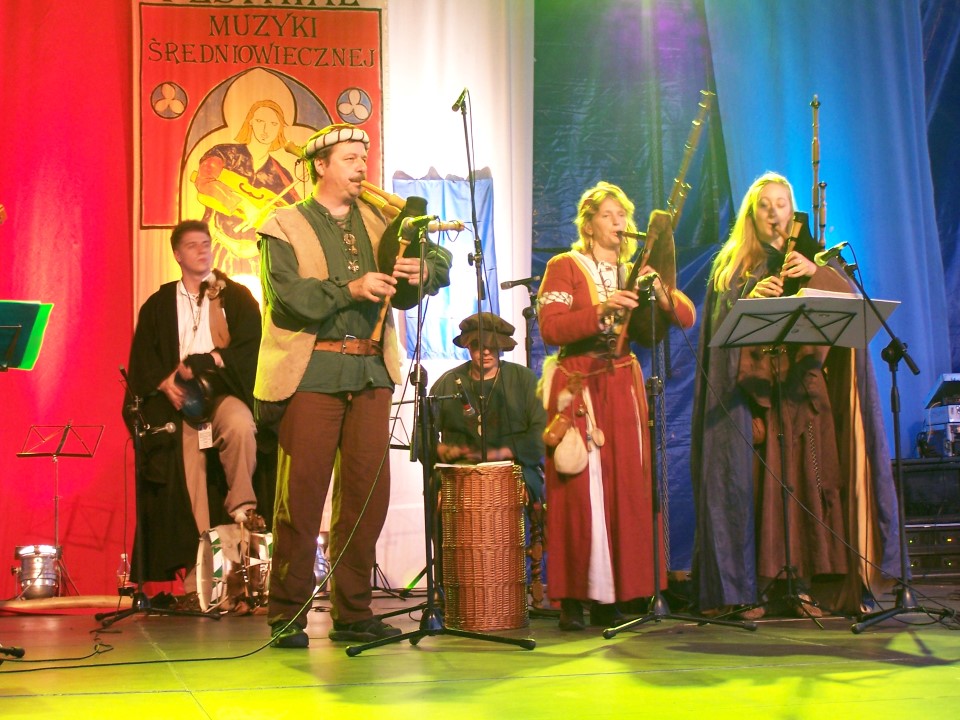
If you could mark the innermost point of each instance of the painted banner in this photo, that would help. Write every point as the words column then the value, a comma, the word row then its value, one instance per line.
column 221, row 87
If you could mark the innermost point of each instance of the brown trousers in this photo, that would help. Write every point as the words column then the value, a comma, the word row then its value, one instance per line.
column 314, row 428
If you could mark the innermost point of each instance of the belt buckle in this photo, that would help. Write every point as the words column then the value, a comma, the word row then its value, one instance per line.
column 343, row 345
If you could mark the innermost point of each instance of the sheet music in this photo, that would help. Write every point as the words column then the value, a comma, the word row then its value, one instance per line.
column 844, row 321
column 813, row 292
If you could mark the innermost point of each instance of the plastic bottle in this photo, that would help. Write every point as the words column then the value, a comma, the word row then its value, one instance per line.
column 123, row 573
column 321, row 566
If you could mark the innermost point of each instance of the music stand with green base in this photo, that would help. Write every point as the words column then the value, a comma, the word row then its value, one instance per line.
column 22, row 325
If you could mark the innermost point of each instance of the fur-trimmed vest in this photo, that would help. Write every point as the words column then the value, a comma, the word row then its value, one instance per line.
column 285, row 353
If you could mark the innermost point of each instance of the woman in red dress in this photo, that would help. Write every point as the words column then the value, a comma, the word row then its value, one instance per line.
column 599, row 518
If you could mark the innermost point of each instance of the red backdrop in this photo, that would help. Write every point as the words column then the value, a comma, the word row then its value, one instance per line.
column 65, row 149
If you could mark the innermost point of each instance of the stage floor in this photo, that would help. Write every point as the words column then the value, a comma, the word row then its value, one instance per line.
column 185, row 668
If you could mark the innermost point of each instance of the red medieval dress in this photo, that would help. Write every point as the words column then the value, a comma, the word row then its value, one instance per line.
column 599, row 521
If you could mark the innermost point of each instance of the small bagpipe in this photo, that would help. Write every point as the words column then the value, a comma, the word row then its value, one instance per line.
column 201, row 391
column 798, row 238
column 659, row 250
column 394, row 243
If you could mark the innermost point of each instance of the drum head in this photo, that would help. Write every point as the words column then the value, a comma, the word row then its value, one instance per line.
column 197, row 399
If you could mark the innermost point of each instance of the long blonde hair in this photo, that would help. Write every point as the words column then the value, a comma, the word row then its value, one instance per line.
column 588, row 206
column 743, row 251
column 246, row 131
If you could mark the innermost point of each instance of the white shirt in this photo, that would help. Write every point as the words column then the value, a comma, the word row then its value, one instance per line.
column 193, row 322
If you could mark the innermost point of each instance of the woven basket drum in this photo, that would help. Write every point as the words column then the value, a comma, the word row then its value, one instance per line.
column 484, row 562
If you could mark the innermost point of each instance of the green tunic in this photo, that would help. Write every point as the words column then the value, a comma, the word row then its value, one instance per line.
column 328, row 303
column 514, row 416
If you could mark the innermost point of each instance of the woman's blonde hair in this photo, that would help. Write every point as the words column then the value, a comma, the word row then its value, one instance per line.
column 589, row 204
column 743, row 251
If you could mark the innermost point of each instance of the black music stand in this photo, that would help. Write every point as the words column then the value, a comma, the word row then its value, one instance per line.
column 892, row 354
column 55, row 442
column 809, row 318
column 22, row 325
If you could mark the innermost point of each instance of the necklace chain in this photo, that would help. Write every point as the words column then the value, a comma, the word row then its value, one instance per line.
column 484, row 400
column 349, row 241
column 609, row 287
column 196, row 307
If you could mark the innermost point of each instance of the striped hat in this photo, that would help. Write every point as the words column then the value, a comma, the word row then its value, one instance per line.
column 333, row 134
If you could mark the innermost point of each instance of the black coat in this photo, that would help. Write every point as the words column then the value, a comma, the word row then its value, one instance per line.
column 170, row 534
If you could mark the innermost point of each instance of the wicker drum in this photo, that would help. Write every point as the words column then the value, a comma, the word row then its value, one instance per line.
column 484, row 565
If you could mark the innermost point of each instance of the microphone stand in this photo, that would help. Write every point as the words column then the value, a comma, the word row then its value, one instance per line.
column 476, row 259
column 10, row 650
column 659, row 608
column 140, row 603
column 431, row 621
column 535, row 508
column 529, row 312
column 892, row 354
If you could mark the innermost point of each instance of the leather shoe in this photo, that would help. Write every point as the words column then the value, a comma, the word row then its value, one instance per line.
column 807, row 607
column 362, row 631
column 189, row 602
column 752, row 612
column 293, row 637
column 606, row 615
column 571, row 615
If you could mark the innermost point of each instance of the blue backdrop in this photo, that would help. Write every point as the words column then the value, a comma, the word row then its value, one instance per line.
column 450, row 198
column 616, row 87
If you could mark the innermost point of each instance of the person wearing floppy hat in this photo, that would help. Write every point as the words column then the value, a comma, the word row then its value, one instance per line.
column 500, row 394
column 329, row 360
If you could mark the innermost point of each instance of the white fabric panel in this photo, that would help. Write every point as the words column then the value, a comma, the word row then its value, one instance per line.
column 435, row 48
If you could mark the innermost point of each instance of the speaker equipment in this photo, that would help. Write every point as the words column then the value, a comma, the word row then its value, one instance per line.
column 931, row 505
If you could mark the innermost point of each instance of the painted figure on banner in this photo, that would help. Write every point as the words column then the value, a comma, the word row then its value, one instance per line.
column 240, row 183
column 598, row 468
column 823, row 402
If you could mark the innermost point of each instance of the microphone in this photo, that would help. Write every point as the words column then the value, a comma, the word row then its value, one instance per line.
column 645, row 281
column 168, row 428
column 431, row 223
column 468, row 409
column 635, row 235
column 507, row 284
column 825, row 256
column 458, row 105
column 17, row 652
column 445, row 225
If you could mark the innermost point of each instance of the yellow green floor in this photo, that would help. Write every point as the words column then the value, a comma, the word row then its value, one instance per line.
column 786, row 669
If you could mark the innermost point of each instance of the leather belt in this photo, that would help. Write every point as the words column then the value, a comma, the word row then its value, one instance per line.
column 350, row 346
column 602, row 347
